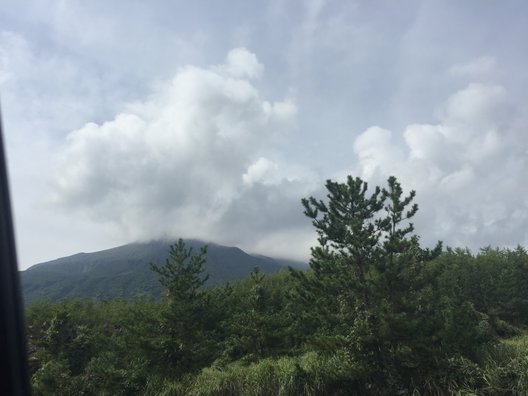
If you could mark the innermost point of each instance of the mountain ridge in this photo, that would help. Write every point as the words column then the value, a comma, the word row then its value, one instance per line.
column 124, row 271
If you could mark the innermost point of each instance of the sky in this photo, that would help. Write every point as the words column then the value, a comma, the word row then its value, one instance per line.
column 130, row 120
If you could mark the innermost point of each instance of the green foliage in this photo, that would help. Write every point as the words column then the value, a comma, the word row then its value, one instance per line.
column 82, row 347
column 309, row 374
column 182, row 342
column 52, row 378
column 259, row 325
column 376, row 314
column 182, row 273
column 124, row 272
column 506, row 367
column 371, row 277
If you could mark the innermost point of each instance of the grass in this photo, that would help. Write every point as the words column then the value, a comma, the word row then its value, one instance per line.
column 505, row 367
column 309, row 374
column 501, row 370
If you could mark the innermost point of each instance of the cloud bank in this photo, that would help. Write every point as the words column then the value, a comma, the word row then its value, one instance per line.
column 226, row 151
column 469, row 169
column 190, row 161
column 201, row 157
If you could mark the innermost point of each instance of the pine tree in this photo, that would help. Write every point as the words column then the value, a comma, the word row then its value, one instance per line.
column 183, row 273
column 259, row 327
column 349, row 234
column 184, row 339
column 368, row 277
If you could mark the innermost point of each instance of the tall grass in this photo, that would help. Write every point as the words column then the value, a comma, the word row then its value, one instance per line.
column 309, row 374
column 501, row 370
column 505, row 367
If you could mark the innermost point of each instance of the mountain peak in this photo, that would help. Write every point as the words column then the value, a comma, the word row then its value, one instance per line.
column 124, row 271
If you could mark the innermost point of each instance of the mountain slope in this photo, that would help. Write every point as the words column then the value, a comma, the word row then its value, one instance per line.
column 124, row 271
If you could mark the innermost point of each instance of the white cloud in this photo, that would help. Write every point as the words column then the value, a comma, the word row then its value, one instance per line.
column 469, row 170
column 280, row 244
column 262, row 171
column 182, row 146
column 188, row 161
column 376, row 152
column 242, row 63
column 191, row 161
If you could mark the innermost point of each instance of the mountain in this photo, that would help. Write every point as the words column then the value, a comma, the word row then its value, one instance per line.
column 124, row 271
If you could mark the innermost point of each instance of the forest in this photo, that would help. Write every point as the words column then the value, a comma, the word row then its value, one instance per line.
column 375, row 314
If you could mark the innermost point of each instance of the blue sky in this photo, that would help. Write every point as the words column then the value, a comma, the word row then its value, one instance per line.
column 131, row 120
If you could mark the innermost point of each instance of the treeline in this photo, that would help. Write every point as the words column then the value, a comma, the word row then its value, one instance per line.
column 376, row 314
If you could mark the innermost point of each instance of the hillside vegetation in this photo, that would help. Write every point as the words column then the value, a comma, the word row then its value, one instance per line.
column 376, row 314
column 123, row 272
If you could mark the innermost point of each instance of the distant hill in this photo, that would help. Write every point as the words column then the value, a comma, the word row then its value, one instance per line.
column 124, row 271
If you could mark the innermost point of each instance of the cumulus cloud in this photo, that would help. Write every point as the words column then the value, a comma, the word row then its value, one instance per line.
column 469, row 169
column 242, row 63
column 189, row 161
column 196, row 159
column 263, row 171
column 209, row 150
